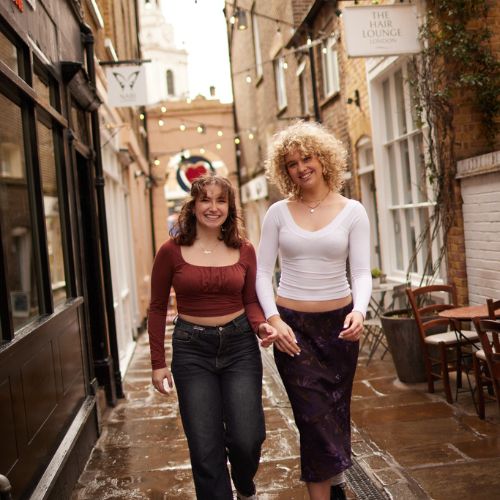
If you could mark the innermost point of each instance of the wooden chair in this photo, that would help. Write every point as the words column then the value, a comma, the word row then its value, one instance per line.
column 484, row 359
column 441, row 347
column 374, row 334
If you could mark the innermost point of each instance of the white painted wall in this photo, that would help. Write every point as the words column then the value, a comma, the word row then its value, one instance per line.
column 481, row 209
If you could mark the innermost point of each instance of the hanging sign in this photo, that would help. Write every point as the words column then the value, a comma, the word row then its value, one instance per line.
column 382, row 30
column 126, row 85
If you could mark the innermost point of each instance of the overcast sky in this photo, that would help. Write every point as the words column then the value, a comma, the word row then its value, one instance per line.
column 201, row 26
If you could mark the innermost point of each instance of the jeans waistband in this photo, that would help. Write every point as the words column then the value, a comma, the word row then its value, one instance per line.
column 235, row 324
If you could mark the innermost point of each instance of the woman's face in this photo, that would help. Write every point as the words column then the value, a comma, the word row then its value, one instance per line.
column 211, row 208
column 305, row 170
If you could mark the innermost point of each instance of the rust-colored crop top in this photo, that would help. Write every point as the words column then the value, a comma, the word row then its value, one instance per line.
column 200, row 291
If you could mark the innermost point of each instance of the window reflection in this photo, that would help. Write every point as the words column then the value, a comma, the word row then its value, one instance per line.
column 8, row 53
column 17, row 234
column 52, row 213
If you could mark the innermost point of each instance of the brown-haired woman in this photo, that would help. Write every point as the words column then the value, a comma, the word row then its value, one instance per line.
column 216, row 361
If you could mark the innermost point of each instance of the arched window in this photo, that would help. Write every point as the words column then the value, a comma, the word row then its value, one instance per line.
column 170, row 82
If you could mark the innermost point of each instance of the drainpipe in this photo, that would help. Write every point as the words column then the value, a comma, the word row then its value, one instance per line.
column 88, row 41
column 145, row 125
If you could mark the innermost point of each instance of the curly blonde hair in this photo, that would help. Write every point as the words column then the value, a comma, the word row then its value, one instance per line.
column 309, row 138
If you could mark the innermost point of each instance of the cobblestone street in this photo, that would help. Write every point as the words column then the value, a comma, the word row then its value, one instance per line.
column 406, row 443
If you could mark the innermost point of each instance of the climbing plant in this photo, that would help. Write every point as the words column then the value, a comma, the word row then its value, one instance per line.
column 456, row 61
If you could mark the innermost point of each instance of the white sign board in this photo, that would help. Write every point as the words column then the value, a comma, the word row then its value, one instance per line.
column 381, row 30
column 126, row 85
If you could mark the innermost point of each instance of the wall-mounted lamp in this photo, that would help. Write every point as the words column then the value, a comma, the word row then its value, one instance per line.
column 338, row 12
column 356, row 100
column 201, row 129
column 241, row 17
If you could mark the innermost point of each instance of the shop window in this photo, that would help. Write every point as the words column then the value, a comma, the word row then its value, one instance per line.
column 279, row 77
column 15, row 215
column 48, row 173
column 8, row 53
column 410, row 198
column 330, row 67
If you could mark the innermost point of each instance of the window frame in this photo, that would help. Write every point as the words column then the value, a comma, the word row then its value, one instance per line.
column 399, row 167
column 280, row 83
column 330, row 67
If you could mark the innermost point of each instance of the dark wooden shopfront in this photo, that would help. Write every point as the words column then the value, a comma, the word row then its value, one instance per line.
column 54, row 328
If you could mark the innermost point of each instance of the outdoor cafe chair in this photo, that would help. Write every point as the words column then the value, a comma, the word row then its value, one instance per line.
column 441, row 347
column 487, row 359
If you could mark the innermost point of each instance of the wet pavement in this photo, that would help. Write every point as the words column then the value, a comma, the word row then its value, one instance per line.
column 407, row 444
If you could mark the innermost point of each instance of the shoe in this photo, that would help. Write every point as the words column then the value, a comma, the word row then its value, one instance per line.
column 240, row 496
column 337, row 492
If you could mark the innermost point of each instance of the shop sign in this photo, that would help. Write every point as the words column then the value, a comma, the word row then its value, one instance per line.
column 253, row 190
column 382, row 30
column 126, row 85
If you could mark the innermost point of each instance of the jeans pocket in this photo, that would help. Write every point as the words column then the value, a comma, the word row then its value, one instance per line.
column 183, row 336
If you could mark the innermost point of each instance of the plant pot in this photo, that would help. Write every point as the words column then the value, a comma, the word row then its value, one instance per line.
column 403, row 340
column 375, row 282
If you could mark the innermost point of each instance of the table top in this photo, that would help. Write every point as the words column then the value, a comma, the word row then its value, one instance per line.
column 466, row 312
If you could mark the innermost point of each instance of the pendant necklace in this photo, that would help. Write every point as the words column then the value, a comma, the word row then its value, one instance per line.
column 313, row 207
column 208, row 251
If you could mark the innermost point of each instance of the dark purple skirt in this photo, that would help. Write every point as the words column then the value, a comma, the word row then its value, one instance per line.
column 319, row 385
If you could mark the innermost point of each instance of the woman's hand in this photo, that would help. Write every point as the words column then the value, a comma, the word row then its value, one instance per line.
column 285, row 341
column 353, row 327
column 159, row 377
column 267, row 334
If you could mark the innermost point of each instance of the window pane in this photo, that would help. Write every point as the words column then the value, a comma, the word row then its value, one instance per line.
column 405, row 169
column 256, row 44
column 387, row 110
column 41, row 88
column 8, row 53
column 52, row 214
column 400, row 102
column 411, row 239
column 418, row 152
column 398, row 242
column 393, row 175
column 425, row 234
column 17, row 234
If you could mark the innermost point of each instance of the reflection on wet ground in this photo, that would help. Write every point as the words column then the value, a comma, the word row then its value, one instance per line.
column 410, row 443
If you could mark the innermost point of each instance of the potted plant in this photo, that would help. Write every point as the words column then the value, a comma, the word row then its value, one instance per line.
column 376, row 275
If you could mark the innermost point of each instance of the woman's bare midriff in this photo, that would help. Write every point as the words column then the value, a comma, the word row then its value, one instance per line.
column 211, row 320
column 313, row 305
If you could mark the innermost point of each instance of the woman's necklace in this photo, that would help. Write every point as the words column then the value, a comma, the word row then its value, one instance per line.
column 313, row 207
column 207, row 251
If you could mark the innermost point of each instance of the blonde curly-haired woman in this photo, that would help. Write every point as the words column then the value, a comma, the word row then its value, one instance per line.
column 318, row 315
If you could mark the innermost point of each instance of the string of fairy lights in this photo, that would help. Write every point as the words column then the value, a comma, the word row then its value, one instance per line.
column 238, row 18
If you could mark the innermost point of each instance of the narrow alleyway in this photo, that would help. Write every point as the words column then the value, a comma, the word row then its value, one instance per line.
column 407, row 444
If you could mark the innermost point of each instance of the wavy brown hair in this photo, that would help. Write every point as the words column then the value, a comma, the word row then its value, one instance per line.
column 184, row 230
column 310, row 139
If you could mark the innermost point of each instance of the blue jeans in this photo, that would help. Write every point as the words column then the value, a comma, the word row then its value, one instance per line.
column 218, row 375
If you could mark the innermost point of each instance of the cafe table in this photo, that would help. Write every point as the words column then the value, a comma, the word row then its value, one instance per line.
column 465, row 313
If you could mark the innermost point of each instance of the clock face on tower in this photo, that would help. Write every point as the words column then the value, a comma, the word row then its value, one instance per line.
column 191, row 168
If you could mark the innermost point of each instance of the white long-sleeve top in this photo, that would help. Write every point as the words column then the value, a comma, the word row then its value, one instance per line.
column 314, row 263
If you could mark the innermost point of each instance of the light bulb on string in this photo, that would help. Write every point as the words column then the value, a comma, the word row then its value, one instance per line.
column 218, row 146
column 156, row 162
column 202, row 151
column 220, row 133
column 248, row 79
column 161, row 123
column 251, row 136
column 163, row 109
column 182, row 127
column 237, row 140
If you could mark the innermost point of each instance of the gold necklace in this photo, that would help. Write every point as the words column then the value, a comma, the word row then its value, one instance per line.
column 313, row 207
column 208, row 251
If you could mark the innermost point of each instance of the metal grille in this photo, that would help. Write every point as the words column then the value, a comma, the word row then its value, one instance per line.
column 361, row 485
